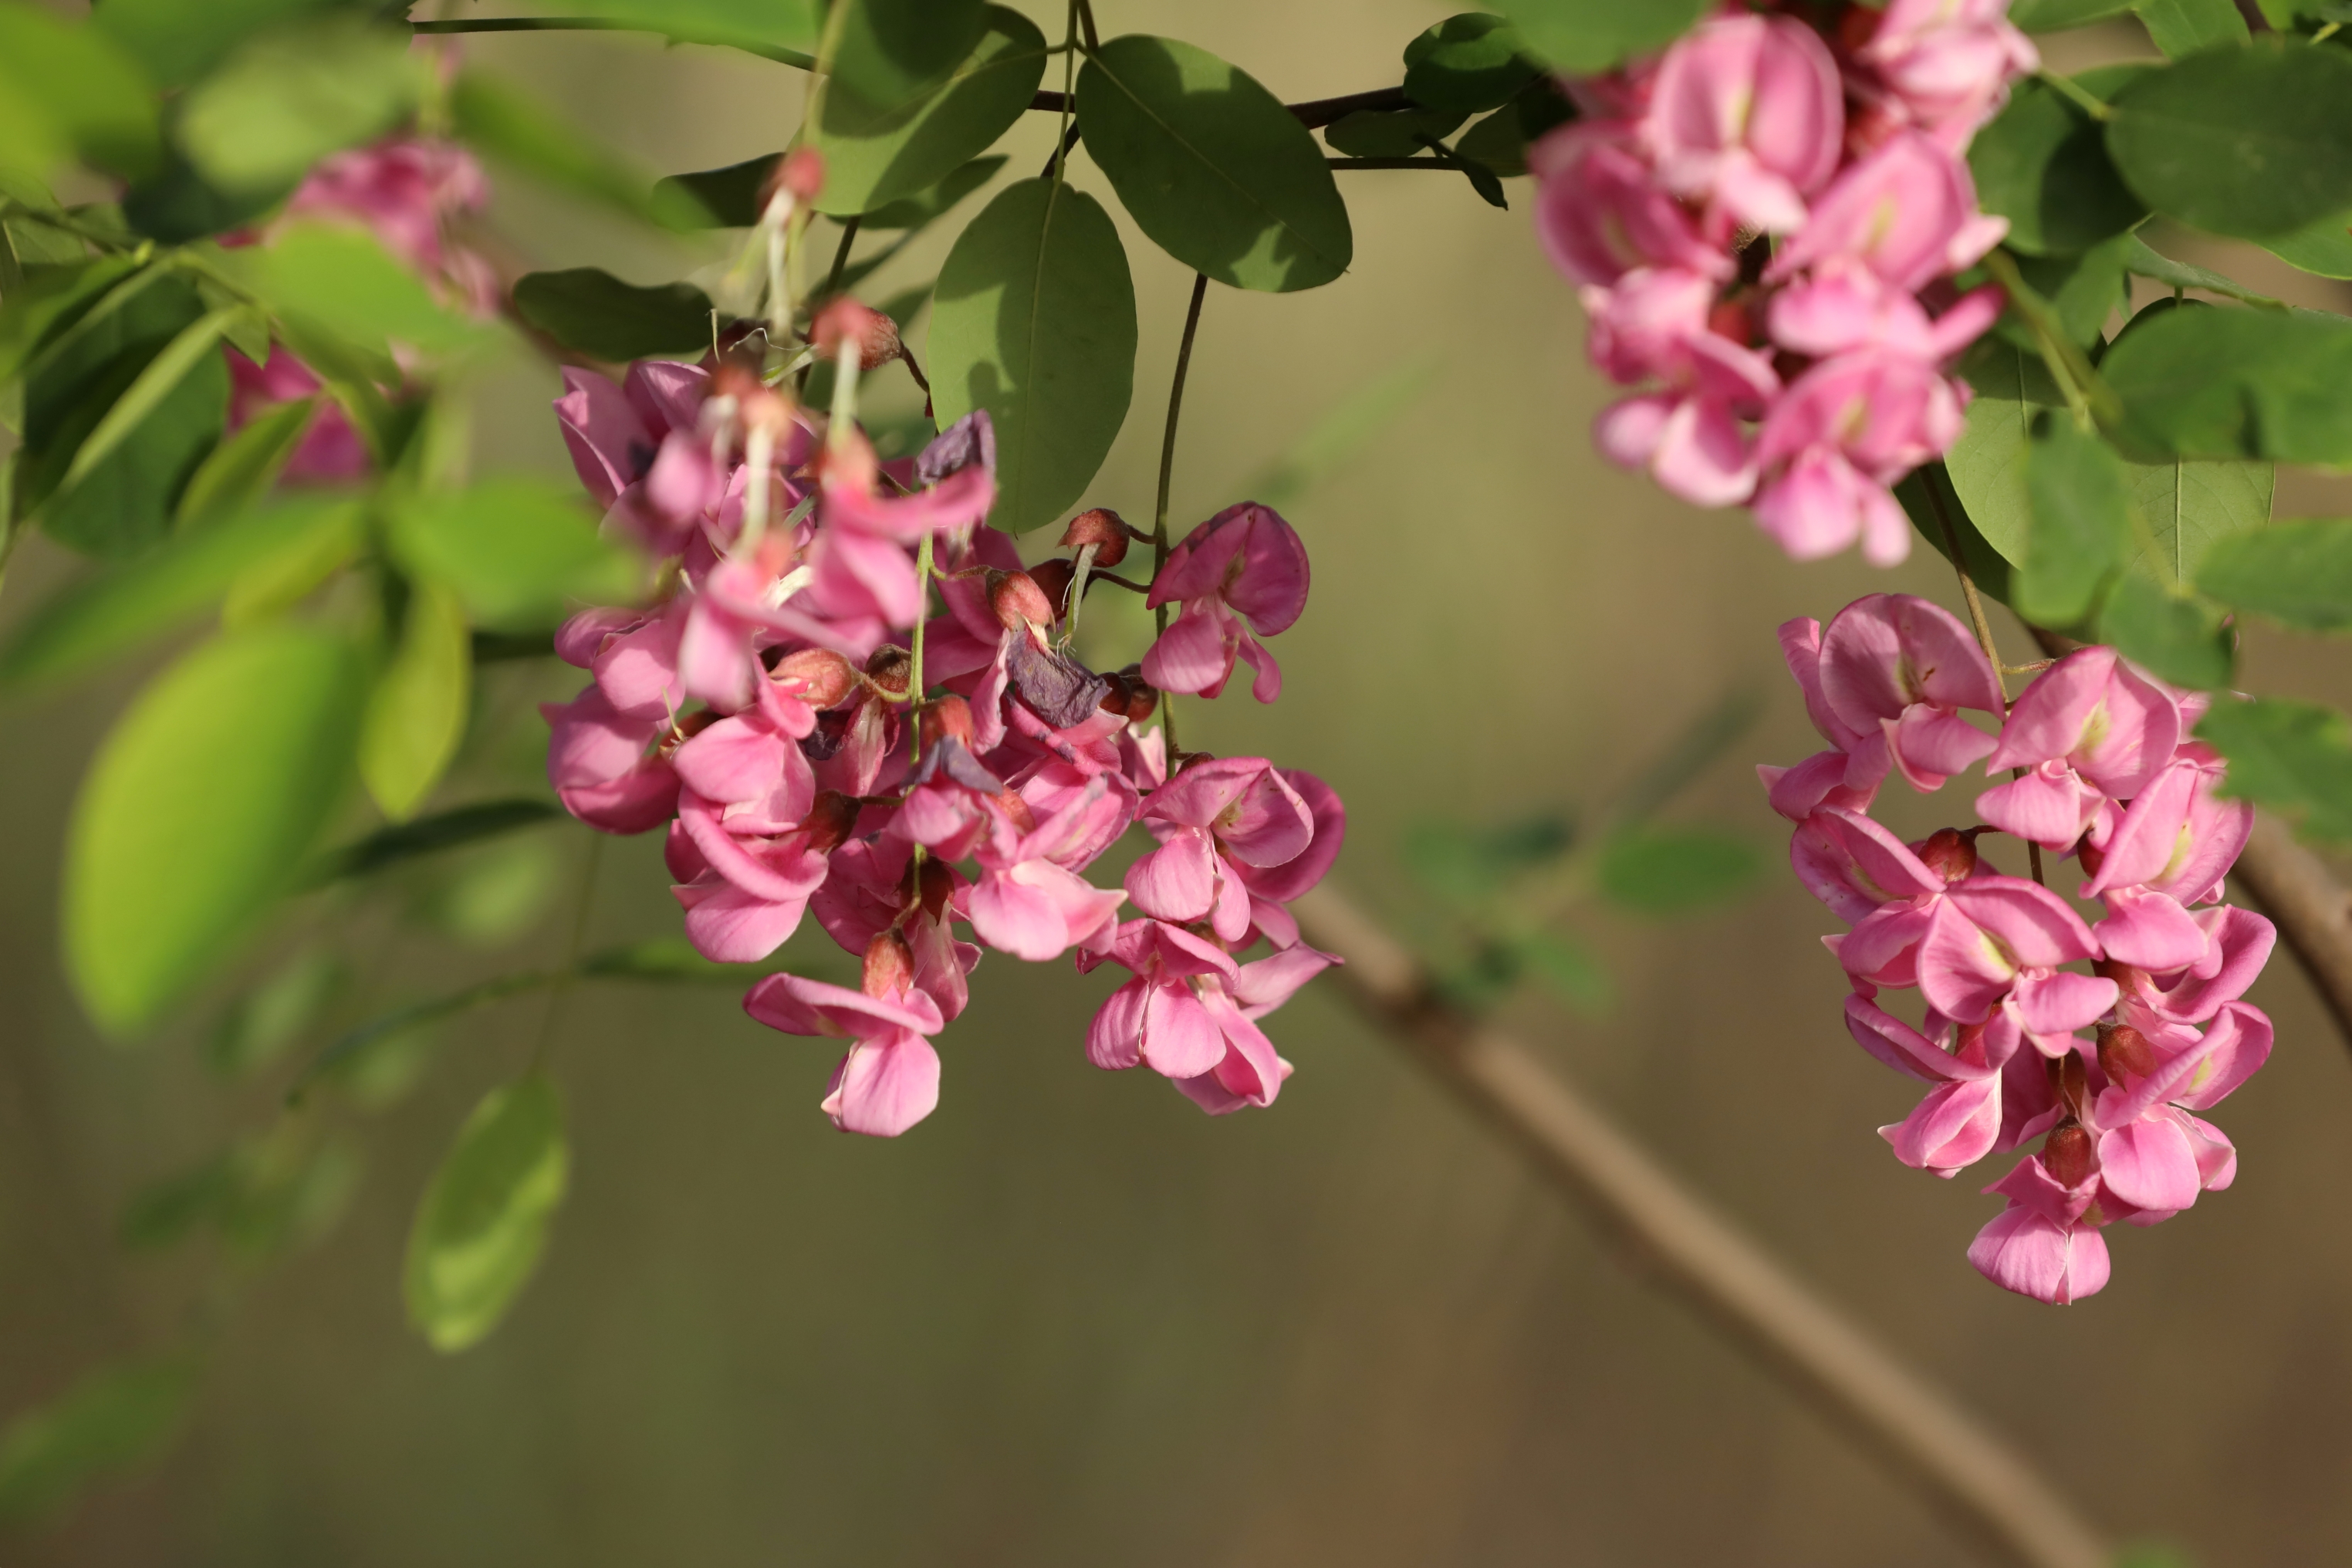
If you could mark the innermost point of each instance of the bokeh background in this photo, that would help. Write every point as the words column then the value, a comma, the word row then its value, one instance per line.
column 1070, row 1319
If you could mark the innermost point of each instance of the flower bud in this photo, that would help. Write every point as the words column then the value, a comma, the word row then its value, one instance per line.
column 1053, row 579
column 935, row 885
column 844, row 321
column 1105, row 529
column 825, row 676
column 890, row 965
column 1017, row 601
column 1731, row 319
column 2125, row 1054
column 1129, row 695
column 799, row 175
column 832, row 819
column 1016, row 811
column 2070, row 1080
column 946, row 718
column 2091, row 856
column 2127, row 978
column 1949, row 853
column 2067, row 1155
column 891, row 667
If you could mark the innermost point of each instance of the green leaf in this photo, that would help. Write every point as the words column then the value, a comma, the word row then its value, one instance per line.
column 2146, row 262
column 732, row 195
column 1671, row 870
column 516, row 550
column 119, row 608
column 2042, row 164
column 875, row 156
column 2083, row 290
column 890, row 52
column 1467, row 64
column 2188, row 507
column 1212, row 166
column 2297, row 573
column 1390, row 134
column 1570, row 969
column 2057, row 16
column 780, row 29
column 1986, row 465
column 416, row 715
column 594, row 313
column 82, row 84
column 177, row 42
column 1930, row 502
column 242, row 469
column 290, row 97
column 513, row 128
column 2293, row 757
column 157, row 381
column 1581, row 37
column 443, row 830
column 483, row 1223
column 200, row 809
column 2220, row 382
column 1354, row 419
column 276, row 579
column 1034, row 321
column 257, row 1027
column 177, row 203
column 113, row 1421
column 2079, row 533
column 342, row 279
column 2250, row 141
column 729, row 196
column 2181, row 639
column 2184, row 26
column 1468, row 866
column 51, row 302
column 1500, row 141
column 932, row 202
column 2325, row 249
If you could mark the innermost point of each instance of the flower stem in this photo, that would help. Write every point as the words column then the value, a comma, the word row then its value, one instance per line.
column 1167, row 472
column 915, row 653
column 1983, row 628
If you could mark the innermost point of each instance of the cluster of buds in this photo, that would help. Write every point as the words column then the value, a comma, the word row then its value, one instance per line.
column 2011, row 974
column 1765, row 222
column 818, row 736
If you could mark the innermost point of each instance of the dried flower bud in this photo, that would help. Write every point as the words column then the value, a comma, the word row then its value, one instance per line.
column 1105, row 529
column 844, row 321
column 1731, row 319
column 1017, row 601
column 890, row 965
column 799, row 175
column 825, row 677
column 831, row 821
column 2067, row 1153
column 1949, row 853
column 2125, row 1054
column 946, row 718
column 891, row 667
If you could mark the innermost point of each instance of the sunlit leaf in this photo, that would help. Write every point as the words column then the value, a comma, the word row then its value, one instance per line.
column 484, row 1221
column 891, row 51
column 2042, row 164
column 2252, row 142
column 416, row 714
column 240, row 471
column 290, row 97
column 2293, row 757
column 342, row 279
column 874, row 156
column 177, row 42
column 2220, row 382
column 82, row 83
column 1583, row 37
column 2297, row 573
column 2180, row 638
column 2078, row 532
column 2146, row 262
column 517, row 551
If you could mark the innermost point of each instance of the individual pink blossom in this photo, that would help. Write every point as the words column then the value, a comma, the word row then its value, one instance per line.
column 1216, row 816
column 1895, row 671
column 1999, row 942
column 1837, row 439
column 1844, row 306
column 2168, row 850
column 1960, row 1121
column 1272, row 886
column 1908, row 213
column 873, row 888
column 1188, row 1013
column 1658, row 325
column 1601, row 212
column 603, row 765
column 1242, row 575
column 1747, row 117
column 745, row 901
column 615, row 433
column 407, row 191
column 890, row 1079
column 2047, row 1244
column 1030, row 901
column 1945, row 65
column 330, row 450
column 2238, row 943
column 2090, row 728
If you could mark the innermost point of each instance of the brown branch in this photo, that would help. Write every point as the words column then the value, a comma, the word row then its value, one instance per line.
column 1901, row 1419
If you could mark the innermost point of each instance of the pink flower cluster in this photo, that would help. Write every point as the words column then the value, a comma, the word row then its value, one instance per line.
column 2009, row 973
column 1765, row 221
column 816, row 737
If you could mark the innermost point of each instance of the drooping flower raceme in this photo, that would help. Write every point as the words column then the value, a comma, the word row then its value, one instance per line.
column 2103, row 1037
column 1764, row 228
column 818, row 736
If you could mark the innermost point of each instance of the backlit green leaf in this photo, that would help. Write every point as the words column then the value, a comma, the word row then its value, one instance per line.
column 2079, row 526
column 1212, row 166
column 82, row 84
column 416, row 715
column 2298, row 574
column 2293, row 757
column 291, row 97
column 875, row 156
column 1931, row 504
column 1583, row 37
column 1034, row 321
column 1469, row 865
column 2181, row 639
column 519, row 551
column 341, row 279
column 177, row 42
column 113, row 1421
column 200, row 809
column 2252, row 142
column 484, row 1220
column 1987, row 463
column 2189, row 506
column 590, row 310
column 246, row 463
column 257, row 1028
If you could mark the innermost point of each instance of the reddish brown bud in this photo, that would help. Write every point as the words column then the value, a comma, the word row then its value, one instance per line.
column 2067, row 1153
column 844, row 321
column 2125, row 1054
column 935, row 886
column 2126, row 977
column 799, row 175
column 2070, row 1080
column 1016, row 810
column 1949, row 853
column 831, row 821
column 737, row 376
column 946, row 718
column 1729, row 319
column 1053, row 579
column 1129, row 695
column 1017, row 600
column 825, row 677
column 1105, row 529
column 891, row 667
column 2091, row 856
column 889, row 964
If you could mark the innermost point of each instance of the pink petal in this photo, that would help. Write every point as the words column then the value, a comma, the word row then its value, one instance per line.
column 1177, row 881
column 2149, row 1165
column 2150, row 931
column 2035, row 1256
column 1952, row 1128
column 885, row 1085
column 1179, row 1038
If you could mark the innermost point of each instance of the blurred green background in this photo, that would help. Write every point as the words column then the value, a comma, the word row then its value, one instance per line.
column 1070, row 1319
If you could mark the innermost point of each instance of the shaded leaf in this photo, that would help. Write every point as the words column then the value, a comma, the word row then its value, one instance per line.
column 256, row 1029
column 1671, row 870
column 157, row 381
column 53, row 300
column 1931, row 504
column 254, row 731
column 927, row 205
column 416, row 714
column 2141, row 258
column 2325, row 249
column 592, row 312
column 341, row 279
column 2042, row 164
column 1389, row 134
column 1212, row 166
column 1584, row 37
column 2297, row 573
column 1500, row 141
column 176, row 42
column 1467, row 64
column 1571, row 969
column 484, row 1220
column 2181, row 639
column 1034, row 321
column 875, row 156
column 83, row 84
column 2250, row 141
column 2078, row 526
column 517, row 550
column 443, row 830
column 2183, row 26
column 891, row 51
column 2293, row 757
column 113, row 1421
column 239, row 472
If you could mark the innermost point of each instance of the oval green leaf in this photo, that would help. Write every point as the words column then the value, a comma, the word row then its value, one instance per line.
column 592, row 312
column 483, row 1223
column 416, row 715
column 83, row 84
column 289, row 97
column 1034, row 321
column 2295, row 757
column 1467, row 64
column 2220, row 382
column 874, row 156
column 2255, row 142
column 2079, row 526
column 1212, row 166
column 2042, row 164
column 2323, row 249
column 2297, row 573
column 201, row 808
column 889, row 52
column 516, row 550
column 1581, row 37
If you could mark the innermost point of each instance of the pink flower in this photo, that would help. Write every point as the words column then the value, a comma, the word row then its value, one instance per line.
column 1658, row 324
column 2154, row 1155
column 890, row 1079
column 1894, row 671
column 615, row 433
column 1998, row 942
column 1747, row 116
column 1908, row 213
column 1272, row 886
column 1844, row 306
column 1030, row 901
column 601, row 764
column 1188, row 1013
column 2171, row 848
column 1960, row 1121
column 2238, row 943
column 1242, row 575
column 1216, row 816
column 1945, row 65
column 2047, row 1244
column 1834, row 442
column 1601, row 212
column 330, row 450
column 2090, row 727
column 745, row 900
column 406, row 191
column 869, row 891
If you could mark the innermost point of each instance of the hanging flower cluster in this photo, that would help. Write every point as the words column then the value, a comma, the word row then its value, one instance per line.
column 1765, row 221
column 817, row 738
column 2105, row 773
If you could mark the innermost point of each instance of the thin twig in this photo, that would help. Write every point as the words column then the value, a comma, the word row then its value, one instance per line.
column 1984, row 629
column 1167, row 472
column 1902, row 1419
column 600, row 24
column 841, row 258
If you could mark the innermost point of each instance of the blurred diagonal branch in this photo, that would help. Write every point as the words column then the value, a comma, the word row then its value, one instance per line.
column 2312, row 909
column 1904, row 1420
